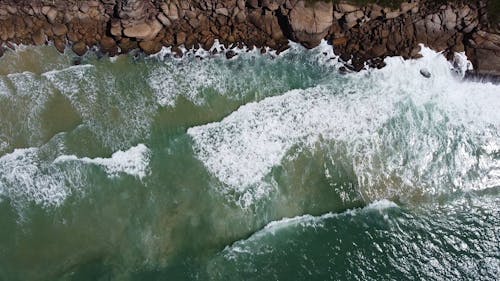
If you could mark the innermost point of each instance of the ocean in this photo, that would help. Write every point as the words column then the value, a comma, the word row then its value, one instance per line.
column 259, row 167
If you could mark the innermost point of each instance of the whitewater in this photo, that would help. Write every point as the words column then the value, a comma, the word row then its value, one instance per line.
column 258, row 167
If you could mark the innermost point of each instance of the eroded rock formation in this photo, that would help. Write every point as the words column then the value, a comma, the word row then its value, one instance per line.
column 359, row 34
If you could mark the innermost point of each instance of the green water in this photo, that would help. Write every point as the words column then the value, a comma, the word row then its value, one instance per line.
column 255, row 168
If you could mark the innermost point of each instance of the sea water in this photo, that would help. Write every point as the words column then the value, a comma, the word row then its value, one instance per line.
column 261, row 167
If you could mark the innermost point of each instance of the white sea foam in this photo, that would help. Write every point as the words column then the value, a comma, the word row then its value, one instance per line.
column 382, row 205
column 21, row 108
column 134, row 161
column 4, row 90
column 177, row 79
column 309, row 220
column 192, row 75
column 78, row 83
column 242, row 149
column 304, row 221
column 26, row 176
column 119, row 117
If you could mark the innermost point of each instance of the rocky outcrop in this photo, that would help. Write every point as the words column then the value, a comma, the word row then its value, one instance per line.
column 361, row 35
column 484, row 49
column 310, row 24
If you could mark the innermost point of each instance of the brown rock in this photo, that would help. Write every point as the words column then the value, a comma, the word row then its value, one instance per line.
column 241, row 17
column 342, row 41
column 241, row 5
column 180, row 38
column 150, row 47
column 272, row 5
column 79, row 48
column 486, row 62
column 407, row 7
column 38, row 38
column 116, row 28
column 311, row 24
column 51, row 15
column 208, row 43
column 222, row 11
column 60, row 44
column 59, row 29
column 164, row 20
column 143, row 30
column 253, row 3
column 352, row 18
column 171, row 11
column 107, row 43
column 392, row 15
column 346, row 8
column 177, row 52
column 450, row 19
column 127, row 45
column 375, row 11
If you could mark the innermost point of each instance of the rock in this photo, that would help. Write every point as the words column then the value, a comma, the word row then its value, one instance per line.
column 79, row 48
column 241, row 5
column 450, row 19
column 230, row 54
column 484, row 51
column 352, row 18
column 253, row 3
column 11, row 9
column 406, row 7
column 272, row 5
column 143, row 30
column 171, row 11
column 38, row 38
column 425, row 72
column 107, row 43
column 150, row 47
column 60, row 44
column 342, row 41
column 177, row 52
column 51, row 15
column 59, row 29
column 180, row 38
column 127, row 45
column 375, row 11
column 208, row 43
column 84, row 7
column 311, row 24
column 164, row 20
column 116, row 28
column 346, row 8
column 392, row 15
column 222, row 11
column 241, row 16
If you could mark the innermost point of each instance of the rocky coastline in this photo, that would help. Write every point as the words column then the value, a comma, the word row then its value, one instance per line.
column 361, row 35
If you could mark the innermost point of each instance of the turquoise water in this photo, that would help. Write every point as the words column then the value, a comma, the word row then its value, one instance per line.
column 262, row 167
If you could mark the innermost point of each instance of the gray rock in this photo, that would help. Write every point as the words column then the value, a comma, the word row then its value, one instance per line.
column 425, row 72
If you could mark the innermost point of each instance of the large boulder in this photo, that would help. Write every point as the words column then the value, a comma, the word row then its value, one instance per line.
column 59, row 29
column 79, row 48
column 144, row 30
column 484, row 50
column 310, row 23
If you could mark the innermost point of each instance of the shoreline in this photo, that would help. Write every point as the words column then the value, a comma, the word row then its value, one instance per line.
column 359, row 35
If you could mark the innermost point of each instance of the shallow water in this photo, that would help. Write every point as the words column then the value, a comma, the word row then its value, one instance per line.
column 261, row 167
